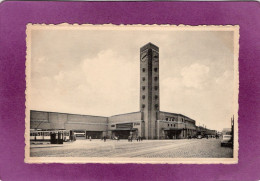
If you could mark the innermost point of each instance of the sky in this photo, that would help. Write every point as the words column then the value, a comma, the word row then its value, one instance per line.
column 96, row 72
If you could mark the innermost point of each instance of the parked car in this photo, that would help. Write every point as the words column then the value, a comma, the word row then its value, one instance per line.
column 226, row 140
column 199, row 137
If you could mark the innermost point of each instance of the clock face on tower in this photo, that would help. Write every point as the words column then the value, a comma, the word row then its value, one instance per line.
column 144, row 56
column 155, row 56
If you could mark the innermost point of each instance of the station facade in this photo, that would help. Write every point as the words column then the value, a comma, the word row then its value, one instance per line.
column 149, row 122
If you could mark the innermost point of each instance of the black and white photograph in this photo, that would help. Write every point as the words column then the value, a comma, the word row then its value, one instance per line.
column 131, row 94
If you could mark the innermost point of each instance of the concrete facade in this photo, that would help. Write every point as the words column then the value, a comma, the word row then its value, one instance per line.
column 107, row 126
column 124, row 125
column 175, row 126
column 149, row 88
column 149, row 122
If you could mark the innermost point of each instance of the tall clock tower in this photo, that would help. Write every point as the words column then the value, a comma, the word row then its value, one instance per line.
column 149, row 88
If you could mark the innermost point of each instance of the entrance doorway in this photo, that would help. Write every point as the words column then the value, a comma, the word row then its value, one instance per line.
column 173, row 134
column 124, row 134
column 94, row 134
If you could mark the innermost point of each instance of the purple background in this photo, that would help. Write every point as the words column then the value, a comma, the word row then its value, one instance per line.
column 13, row 19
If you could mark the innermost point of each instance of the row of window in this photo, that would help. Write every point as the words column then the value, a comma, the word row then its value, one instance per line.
column 40, row 134
column 155, row 97
column 155, row 69
column 155, row 78
column 155, row 106
column 170, row 125
column 170, row 119
column 173, row 119
column 155, row 87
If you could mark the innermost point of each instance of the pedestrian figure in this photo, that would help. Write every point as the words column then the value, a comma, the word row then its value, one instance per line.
column 118, row 138
column 89, row 138
column 105, row 138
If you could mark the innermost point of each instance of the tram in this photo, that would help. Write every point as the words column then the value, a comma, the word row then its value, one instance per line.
column 45, row 135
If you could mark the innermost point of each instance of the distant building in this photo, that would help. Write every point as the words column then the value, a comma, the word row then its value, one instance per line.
column 149, row 122
column 227, row 131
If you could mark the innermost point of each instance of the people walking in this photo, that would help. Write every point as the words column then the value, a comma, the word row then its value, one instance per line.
column 89, row 138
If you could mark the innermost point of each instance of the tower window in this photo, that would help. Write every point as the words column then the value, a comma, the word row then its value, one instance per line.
column 143, row 106
column 143, row 87
column 155, row 78
column 155, row 88
column 143, row 69
column 143, row 78
column 155, row 69
column 143, row 97
column 155, row 97
column 156, row 106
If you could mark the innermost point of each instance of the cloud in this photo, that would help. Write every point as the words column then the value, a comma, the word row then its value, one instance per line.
column 224, row 77
column 97, row 72
column 195, row 75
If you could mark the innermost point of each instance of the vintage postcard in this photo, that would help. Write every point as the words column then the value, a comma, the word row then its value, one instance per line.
column 131, row 94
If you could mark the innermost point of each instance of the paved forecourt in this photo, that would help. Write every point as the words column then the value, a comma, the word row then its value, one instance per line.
column 194, row 148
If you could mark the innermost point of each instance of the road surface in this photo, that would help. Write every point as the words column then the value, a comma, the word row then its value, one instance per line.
column 194, row 148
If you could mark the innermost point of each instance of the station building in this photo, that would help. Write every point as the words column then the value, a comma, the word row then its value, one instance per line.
column 149, row 122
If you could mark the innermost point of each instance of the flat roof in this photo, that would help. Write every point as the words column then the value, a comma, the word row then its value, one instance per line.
column 149, row 45
column 68, row 113
column 177, row 114
column 125, row 113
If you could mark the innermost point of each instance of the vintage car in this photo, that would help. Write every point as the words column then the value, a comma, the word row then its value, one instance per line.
column 199, row 137
column 226, row 140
